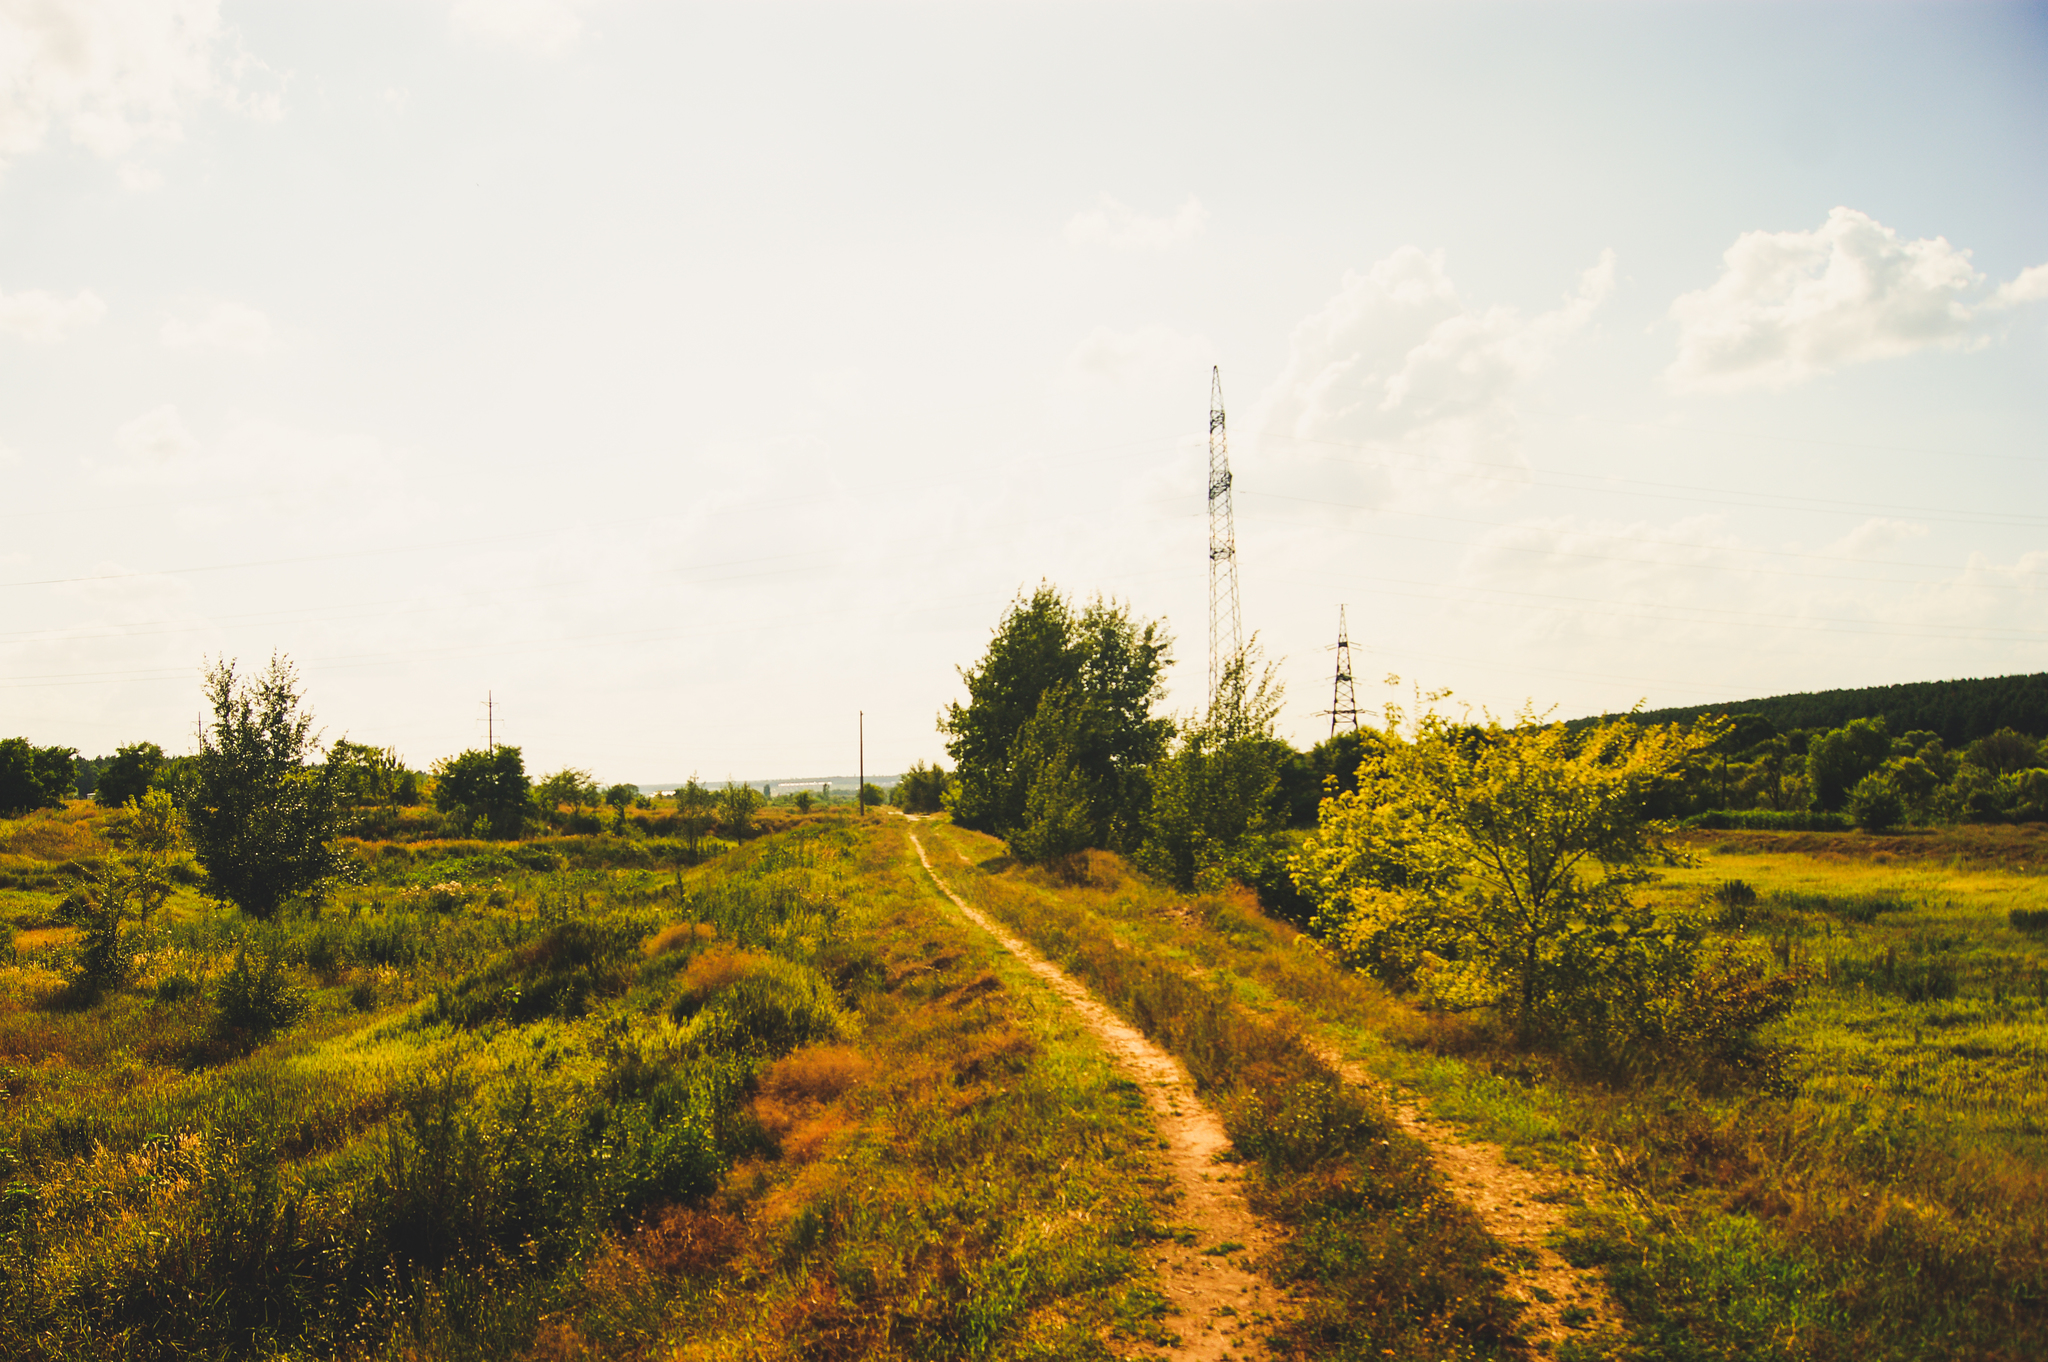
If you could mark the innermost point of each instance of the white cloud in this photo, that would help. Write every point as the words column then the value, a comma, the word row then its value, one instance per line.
column 543, row 28
column 39, row 316
column 1399, row 368
column 1120, row 227
column 117, row 73
column 223, row 326
column 1790, row 306
column 2031, row 286
column 1119, row 358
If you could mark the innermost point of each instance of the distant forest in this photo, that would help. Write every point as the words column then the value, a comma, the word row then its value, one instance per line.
column 1959, row 711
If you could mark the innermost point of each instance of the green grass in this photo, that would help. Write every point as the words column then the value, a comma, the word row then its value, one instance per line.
column 775, row 1106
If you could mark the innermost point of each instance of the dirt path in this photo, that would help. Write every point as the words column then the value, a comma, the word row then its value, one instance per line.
column 1520, row 1208
column 1220, row 1300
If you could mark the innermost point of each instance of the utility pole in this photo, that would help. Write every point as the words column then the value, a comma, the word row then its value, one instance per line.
column 860, row 789
column 1343, row 697
column 1223, row 611
column 490, row 724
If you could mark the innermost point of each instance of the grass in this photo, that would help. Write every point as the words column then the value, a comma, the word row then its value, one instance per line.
column 1885, row 1195
column 779, row 1105
column 1385, row 1263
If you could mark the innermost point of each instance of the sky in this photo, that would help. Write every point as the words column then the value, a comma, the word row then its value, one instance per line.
column 691, row 380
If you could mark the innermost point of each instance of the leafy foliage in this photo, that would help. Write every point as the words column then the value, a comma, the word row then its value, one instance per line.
column 1053, row 745
column 1492, row 867
column 921, row 789
column 486, row 792
column 128, row 774
column 33, row 777
column 1218, row 794
column 262, row 820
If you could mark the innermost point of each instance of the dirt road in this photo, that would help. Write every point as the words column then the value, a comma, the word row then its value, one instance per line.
column 1222, row 1303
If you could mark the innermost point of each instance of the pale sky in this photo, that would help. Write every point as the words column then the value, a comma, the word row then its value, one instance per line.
column 692, row 377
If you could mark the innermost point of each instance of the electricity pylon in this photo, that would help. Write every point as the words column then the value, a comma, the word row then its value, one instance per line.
column 1343, row 696
column 1223, row 611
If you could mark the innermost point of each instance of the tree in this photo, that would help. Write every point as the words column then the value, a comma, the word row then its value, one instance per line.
column 34, row 777
column 1219, row 792
column 1072, row 688
column 695, row 806
column 261, row 815
column 568, row 786
column 921, row 789
column 736, row 806
column 1491, row 866
column 1876, row 805
column 123, row 888
column 621, row 798
column 366, row 775
column 486, row 791
column 127, row 775
column 802, row 800
column 1836, row 760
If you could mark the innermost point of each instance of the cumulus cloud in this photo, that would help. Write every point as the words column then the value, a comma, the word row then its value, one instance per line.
column 1399, row 367
column 222, row 326
column 117, row 73
column 38, row 316
column 1121, row 227
column 1790, row 306
column 542, row 28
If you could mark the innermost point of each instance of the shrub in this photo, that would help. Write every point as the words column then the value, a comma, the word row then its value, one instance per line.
column 257, row 1000
column 1875, row 805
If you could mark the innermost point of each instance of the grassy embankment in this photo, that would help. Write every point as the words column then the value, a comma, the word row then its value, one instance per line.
column 781, row 1105
column 1883, row 1197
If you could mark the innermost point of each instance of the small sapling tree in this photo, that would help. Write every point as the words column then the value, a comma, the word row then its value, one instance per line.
column 736, row 806
column 621, row 798
column 261, row 814
column 123, row 888
column 1491, row 867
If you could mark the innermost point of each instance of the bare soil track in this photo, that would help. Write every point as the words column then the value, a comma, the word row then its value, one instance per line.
column 1222, row 1302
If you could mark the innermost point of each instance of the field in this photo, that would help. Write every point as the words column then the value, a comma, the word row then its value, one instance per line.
column 574, row 1098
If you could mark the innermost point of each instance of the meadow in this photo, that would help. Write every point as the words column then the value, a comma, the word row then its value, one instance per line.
column 551, row 1100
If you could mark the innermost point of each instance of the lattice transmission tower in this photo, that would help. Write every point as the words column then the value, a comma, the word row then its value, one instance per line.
column 1223, row 611
column 1343, row 696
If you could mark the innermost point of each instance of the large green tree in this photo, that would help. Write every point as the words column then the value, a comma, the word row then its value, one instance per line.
column 127, row 775
column 486, row 792
column 34, row 777
column 1058, row 730
column 261, row 814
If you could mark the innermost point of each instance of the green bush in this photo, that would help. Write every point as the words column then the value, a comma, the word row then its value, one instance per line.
column 1875, row 805
column 256, row 1000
